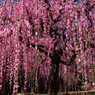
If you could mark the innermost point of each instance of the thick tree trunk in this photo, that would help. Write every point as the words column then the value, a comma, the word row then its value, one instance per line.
column 4, row 85
column 54, row 73
column 53, row 78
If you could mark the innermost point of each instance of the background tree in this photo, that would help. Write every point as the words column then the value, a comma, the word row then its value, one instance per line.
column 39, row 35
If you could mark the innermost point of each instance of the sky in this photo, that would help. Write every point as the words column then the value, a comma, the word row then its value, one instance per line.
column 1, row 1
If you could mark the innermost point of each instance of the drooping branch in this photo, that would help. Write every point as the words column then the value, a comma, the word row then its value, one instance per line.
column 59, row 16
column 71, row 60
column 4, row 19
column 92, row 45
column 41, row 48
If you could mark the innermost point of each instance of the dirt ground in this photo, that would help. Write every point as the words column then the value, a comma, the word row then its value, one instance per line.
column 90, row 92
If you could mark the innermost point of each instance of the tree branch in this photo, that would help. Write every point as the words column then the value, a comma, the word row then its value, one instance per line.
column 71, row 60
column 41, row 48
